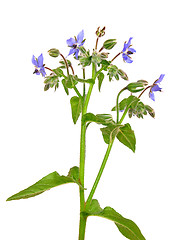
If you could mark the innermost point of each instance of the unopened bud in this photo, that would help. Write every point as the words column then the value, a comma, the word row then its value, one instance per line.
column 53, row 52
column 122, row 74
column 109, row 44
column 135, row 87
column 144, row 82
column 104, row 55
column 150, row 110
column 100, row 33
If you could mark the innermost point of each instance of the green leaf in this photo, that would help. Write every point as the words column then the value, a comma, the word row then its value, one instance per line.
column 131, row 101
column 109, row 132
column 51, row 180
column 126, row 226
column 100, row 80
column 90, row 80
column 64, row 85
column 58, row 71
column 126, row 136
column 104, row 119
column 76, row 108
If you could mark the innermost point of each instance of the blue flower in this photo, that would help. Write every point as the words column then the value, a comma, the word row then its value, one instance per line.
column 127, row 50
column 155, row 87
column 74, row 43
column 39, row 66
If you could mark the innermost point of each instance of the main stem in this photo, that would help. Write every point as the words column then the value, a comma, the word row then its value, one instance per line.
column 82, row 223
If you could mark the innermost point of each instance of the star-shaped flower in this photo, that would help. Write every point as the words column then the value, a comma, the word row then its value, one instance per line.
column 127, row 50
column 155, row 87
column 74, row 43
column 39, row 66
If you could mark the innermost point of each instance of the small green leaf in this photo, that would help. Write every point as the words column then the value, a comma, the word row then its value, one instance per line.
column 64, row 85
column 126, row 136
column 58, row 72
column 109, row 132
column 127, row 102
column 90, row 80
column 100, row 80
column 71, row 81
column 76, row 108
column 51, row 180
column 126, row 226
column 104, row 119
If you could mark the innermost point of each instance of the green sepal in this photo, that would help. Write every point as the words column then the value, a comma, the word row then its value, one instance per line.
column 126, row 226
column 46, row 183
column 100, row 78
column 150, row 110
column 76, row 107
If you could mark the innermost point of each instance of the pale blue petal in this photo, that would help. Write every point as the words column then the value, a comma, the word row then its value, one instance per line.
column 76, row 53
column 80, row 37
column 129, row 42
column 155, row 88
column 124, row 47
column 152, row 96
column 132, row 50
column 34, row 61
column 42, row 71
column 40, row 61
column 70, row 42
column 72, row 50
column 160, row 78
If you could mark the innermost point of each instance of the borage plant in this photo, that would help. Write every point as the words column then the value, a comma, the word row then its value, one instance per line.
column 111, row 128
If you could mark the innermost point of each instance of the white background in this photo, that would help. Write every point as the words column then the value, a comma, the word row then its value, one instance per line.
column 37, row 135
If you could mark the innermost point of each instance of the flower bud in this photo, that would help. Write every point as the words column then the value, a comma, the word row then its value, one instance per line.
column 53, row 52
column 135, row 87
column 150, row 110
column 104, row 55
column 109, row 44
column 122, row 74
column 100, row 33
column 144, row 82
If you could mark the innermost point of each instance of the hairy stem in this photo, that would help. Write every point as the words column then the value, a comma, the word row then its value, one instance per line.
column 82, row 223
column 88, row 202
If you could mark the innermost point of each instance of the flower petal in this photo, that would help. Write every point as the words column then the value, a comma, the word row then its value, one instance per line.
column 42, row 71
column 160, row 78
column 72, row 50
column 40, row 61
column 80, row 37
column 34, row 61
column 152, row 96
column 131, row 50
column 124, row 47
column 155, row 88
column 129, row 42
column 76, row 53
column 70, row 42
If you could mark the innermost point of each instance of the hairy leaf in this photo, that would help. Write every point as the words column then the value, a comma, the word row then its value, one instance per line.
column 126, row 136
column 127, row 227
column 51, row 180
column 104, row 119
column 100, row 80
column 76, row 108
